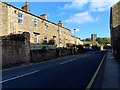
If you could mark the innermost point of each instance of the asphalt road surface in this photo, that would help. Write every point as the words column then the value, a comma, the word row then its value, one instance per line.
column 67, row 72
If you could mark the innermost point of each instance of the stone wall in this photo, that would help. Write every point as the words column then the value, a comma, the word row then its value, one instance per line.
column 39, row 55
column 115, row 39
column 15, row 52
column 42, row 55
column 65, row 52
column 115, row 29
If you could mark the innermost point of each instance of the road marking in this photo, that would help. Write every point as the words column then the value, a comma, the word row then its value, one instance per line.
column 95, row 74
column 19, row 76
column 67, row 61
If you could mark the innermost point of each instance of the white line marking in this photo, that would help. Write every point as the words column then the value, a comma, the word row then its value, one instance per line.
column 19, row 76
column 67, row 61
column 95, row 74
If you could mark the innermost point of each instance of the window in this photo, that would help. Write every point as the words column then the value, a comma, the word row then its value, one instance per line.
column 35, row 23
column 64, row 41
column 64, row 33
column 20, row 18
column 60, row 31
column 52, row 28
column 46, row 38
column 60, row 41
column 45, row 26
column 35, row 38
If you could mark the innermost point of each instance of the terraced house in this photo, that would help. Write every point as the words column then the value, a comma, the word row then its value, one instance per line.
column 17, row 21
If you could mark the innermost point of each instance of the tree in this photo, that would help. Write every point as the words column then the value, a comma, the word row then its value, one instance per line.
column 87, row 45
column 44, row 42
column 51, row 42
column 87, row 39
column 106, row 40
column 103, row 41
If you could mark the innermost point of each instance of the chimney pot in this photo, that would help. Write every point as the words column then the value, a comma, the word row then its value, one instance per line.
column 60, row 24
column 44, row 16
column 26, row 7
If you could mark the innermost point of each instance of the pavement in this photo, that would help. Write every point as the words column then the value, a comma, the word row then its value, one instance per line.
column 111, row 76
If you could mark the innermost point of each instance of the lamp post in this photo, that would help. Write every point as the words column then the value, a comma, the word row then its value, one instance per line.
column 74, row 42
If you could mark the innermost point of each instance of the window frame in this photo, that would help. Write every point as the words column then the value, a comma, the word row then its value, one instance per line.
column 45, row 25
column 35, row 23
column 20, row 18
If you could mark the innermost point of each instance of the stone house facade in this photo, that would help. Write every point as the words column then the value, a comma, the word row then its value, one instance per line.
column 16, row 20
column 115, row 29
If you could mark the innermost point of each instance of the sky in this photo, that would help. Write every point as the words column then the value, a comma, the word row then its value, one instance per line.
column 86, row 16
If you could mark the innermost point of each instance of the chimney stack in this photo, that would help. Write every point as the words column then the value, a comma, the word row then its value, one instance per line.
column 60, row 24
column 43, row 16
column 26, row 7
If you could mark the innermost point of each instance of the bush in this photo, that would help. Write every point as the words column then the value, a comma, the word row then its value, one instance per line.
column 51, row 42
column 95, row 47
column 44, row 49
column 80, row 48
column 15, row 37
column 44, row 42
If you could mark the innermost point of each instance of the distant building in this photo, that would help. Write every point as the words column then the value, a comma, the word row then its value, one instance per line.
column 91, row 41
column 93, row 37
column 16, row 21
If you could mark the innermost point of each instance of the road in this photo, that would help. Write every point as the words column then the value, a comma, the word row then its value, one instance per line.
column 67, row 72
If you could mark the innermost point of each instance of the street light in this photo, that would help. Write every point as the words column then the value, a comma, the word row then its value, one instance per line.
column 74, row 36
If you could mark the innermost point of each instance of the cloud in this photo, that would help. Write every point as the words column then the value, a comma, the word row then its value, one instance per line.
column 76, row 4
column 101, row 5
column 81, row 18
column 94, row 5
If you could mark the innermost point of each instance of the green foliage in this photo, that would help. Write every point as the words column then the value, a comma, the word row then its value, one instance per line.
column 103, row 41
column 51, row 42
column 44, row 42
column 87, row 45
column 87, row 39
column 44, row 49
column 80, row 48
column 14, row 37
